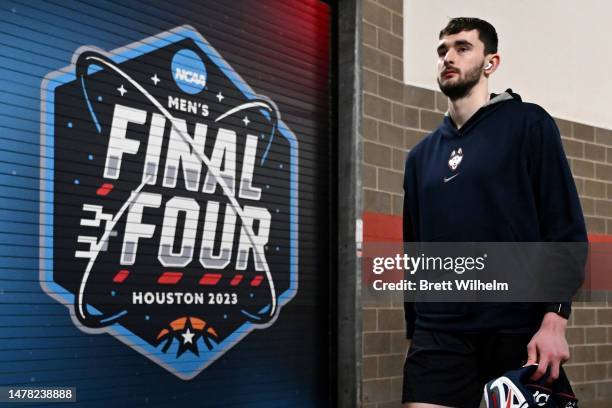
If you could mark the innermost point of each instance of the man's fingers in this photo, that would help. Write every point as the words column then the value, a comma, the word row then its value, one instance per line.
column 532, row 354
column 565, row 356
column 542, row 366
column 554, row 371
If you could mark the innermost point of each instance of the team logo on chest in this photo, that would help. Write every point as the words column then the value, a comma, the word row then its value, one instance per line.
column 455, row 159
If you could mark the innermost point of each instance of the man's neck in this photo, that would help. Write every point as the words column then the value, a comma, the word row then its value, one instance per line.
column 462, row 109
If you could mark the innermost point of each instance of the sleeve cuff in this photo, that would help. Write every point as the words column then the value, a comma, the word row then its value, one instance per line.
column 563, row 309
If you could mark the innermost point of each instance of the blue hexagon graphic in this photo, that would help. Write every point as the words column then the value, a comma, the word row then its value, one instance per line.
column 169, row 199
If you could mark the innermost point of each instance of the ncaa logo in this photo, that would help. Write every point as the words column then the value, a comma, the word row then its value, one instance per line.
column 168, row 214
column 189, row 71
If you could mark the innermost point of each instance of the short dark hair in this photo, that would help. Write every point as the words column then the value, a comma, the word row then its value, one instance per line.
column 486, row 32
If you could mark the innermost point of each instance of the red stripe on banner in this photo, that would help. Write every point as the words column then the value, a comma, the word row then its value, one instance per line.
column 170, row 278
column 236, row 280
column 104, row 189
column 121, row 276
column 210, row 279
column 256, row 280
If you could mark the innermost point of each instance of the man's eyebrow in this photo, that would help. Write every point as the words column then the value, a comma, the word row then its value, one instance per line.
column 462, row 42
column 458, row 43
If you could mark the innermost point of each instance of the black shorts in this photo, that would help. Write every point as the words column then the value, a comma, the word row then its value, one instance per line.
column 452, row 368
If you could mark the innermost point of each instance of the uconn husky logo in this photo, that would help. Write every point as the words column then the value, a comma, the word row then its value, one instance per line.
column 169, row 199
column 455, row 159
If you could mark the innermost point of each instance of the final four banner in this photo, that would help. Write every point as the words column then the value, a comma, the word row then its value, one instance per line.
column 168, row 209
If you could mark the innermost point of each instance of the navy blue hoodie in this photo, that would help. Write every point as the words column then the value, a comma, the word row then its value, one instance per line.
column 501, row 177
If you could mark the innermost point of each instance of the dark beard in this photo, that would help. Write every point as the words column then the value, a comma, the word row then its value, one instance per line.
column 461, row 88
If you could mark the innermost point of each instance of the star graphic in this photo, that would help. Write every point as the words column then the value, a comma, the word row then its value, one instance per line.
column 188, row 336
column 155, row 79
column 188, row 340
column 220, row 96
column 122, row 90
column 246, row 120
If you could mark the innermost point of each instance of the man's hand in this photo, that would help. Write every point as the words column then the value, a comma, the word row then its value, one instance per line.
column 549, row 347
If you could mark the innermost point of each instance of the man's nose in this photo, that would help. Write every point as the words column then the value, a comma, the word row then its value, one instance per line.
column 449, row 57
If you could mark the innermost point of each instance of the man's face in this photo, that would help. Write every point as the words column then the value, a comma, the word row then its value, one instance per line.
column 460, row 63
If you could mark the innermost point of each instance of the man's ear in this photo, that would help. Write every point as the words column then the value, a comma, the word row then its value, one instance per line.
column 492, row 61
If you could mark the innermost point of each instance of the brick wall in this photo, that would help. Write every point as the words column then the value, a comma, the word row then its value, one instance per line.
column 395, row 118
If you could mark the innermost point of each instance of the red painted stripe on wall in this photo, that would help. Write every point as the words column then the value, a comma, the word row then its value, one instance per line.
column 388, row 228
column 381, row 227
column 600, row 238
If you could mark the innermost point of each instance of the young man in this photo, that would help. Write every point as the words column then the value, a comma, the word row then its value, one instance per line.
column 493, row 171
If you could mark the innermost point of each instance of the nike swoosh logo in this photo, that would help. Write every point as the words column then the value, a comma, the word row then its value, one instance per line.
column 447, row 179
